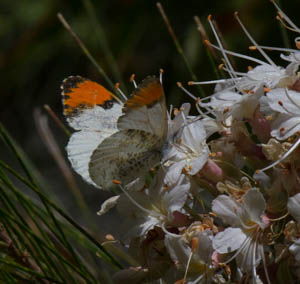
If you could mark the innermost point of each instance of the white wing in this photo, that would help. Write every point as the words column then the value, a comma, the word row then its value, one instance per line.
column 124, row 156
column 94, row 126
column 151, row 119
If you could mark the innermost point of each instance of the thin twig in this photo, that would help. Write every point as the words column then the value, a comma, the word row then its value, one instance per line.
column 85, row 50
column 19, row 257
column 41, row 122
column 103, row 41
column 177, row 44
column 212, row 56
column 57, row 120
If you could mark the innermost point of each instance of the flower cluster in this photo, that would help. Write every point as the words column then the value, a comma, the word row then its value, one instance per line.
column 224, row 204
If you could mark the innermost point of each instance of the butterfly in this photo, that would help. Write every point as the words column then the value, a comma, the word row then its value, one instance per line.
column 114, row 140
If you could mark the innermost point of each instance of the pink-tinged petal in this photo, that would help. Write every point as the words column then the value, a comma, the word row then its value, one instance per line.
column 226, row 209
column 260, row 126
column 180, row 220
column 254, row 205
column 229, row 240
column 212, row 172
column 294, row 206
column 197, row 163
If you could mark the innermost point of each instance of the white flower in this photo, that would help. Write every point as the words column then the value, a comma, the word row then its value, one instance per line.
column 157, row 206
column 287, row 104
column 192, row 255
column 247, row 226
column 239, row 106
column 187, row 151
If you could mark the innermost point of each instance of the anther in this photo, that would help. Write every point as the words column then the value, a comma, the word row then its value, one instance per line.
column 109, row 237
column 220, row 67
column 161, row 71
column 226, row 110
column 132, row 80
column 207, row 42
column 195, row 244
column 252, row 47
column 115, row 181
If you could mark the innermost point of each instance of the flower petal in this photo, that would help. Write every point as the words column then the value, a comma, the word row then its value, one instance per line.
column 226, row 208
column 229, row 240
column 294, row 206
column 254, row 205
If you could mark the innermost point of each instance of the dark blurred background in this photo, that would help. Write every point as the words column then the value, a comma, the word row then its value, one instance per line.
column 37, row 53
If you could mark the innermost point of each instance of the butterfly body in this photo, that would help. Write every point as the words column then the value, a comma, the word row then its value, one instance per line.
column 114, row 141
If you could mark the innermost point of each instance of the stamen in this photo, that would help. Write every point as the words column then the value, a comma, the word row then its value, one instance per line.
column 285, row 17
column 197, row 99
column 198, row 280
column 282, row 158
column 254, row 274
column 271, row 48
column 219, row 43
column 161, row 71
column 262, row 254
column 148, row 212
column 203, row 34
column 253, row 41
column 290, row 98
column 117, row 86
column 169, row 114
column 283, row 106
column 195, row 244
column 179, row 84
column 132, row 80
column 239, row 55
column 244, row 244
column 281, row 19
column 191, row 83
column 187, row 266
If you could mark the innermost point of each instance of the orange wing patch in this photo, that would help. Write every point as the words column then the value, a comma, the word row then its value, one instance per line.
column 79, row 93
column 148, row 92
